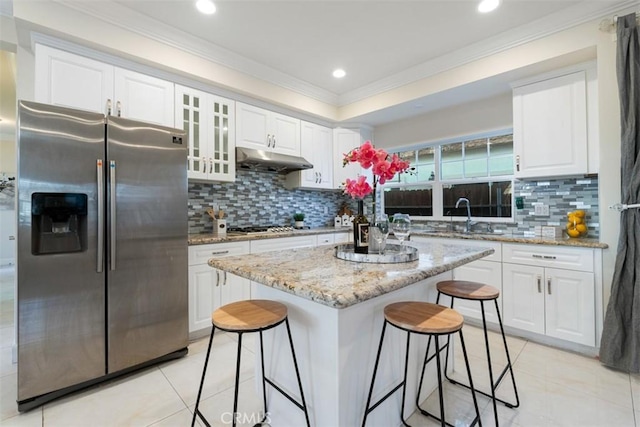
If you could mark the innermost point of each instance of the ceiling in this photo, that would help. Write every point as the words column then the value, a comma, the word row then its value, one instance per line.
column 370, row 39
column 381, row 44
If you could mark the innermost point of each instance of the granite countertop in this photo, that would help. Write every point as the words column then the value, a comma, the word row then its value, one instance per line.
column 317, row 275
column 508, row 237
column 206, row 238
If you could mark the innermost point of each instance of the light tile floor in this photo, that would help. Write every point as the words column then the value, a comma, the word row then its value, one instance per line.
column 556, row 388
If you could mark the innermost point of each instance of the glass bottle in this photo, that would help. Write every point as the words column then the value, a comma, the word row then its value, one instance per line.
column 361, row 231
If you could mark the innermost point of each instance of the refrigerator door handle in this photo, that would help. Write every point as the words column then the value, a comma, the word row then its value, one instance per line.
column 100, row 181
column 112, row 207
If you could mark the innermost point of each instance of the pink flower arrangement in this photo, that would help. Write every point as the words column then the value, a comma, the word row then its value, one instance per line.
column 385, row 167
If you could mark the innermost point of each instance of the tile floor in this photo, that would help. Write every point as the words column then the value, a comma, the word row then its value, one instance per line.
column 556, row 388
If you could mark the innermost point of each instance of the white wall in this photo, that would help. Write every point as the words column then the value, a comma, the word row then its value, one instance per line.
column 609, row 176
column 485, row 115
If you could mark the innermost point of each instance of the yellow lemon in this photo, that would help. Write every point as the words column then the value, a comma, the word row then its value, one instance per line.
column 581, row 228
column 573, row 232
column 570, row 225
column 579, row 213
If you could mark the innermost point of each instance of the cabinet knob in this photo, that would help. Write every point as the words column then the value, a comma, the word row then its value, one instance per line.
column 517, row 163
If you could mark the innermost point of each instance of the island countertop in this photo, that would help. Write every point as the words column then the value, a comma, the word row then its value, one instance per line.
column 317, row 275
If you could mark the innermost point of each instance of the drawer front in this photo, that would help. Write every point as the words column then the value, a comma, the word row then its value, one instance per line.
column 326, row 239
column 549, row 256
column 342, row 237
column 282, row 243
column 496, row 246
column 201, row 254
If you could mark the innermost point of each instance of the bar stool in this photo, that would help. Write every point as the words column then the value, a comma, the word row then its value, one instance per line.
column 421, row 318
column 245, row 317
column 481, row 292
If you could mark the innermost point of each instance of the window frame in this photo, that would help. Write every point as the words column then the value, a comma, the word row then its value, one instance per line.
column 437, row 185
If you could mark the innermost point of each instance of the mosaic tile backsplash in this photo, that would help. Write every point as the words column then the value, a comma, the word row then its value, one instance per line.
column 261, row 199
column 561, row 195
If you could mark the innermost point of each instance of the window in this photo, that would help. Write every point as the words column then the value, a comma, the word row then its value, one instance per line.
column 479, row 168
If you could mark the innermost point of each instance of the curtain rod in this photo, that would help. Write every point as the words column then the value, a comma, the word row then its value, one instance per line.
column 622, row 207
column 608, row 25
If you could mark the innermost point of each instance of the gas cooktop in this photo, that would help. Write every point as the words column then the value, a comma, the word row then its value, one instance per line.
column 259, row 230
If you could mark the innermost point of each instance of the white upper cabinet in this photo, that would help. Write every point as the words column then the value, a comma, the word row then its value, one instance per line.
column 345, row 140
column 550, row 133
column 266, row 130
column 210, row 123
column 69, row 80
column 316, row 146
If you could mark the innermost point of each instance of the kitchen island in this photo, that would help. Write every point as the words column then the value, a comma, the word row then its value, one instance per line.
column 336, row 315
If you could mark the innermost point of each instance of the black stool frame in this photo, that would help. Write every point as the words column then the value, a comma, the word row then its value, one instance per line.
column 301, row 405
column 509, row 367
column 403, row 383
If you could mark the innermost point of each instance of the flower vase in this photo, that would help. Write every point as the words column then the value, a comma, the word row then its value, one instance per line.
column 361, row 230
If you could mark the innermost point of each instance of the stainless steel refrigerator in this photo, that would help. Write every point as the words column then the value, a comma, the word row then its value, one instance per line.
column 102, row 248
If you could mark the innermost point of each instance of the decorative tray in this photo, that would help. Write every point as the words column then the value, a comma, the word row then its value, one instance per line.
column 392, row 254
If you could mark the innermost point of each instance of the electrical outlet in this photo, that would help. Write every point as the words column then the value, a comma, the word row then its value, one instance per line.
column 541, row 209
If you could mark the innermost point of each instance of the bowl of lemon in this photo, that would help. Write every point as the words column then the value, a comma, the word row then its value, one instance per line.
column 576, row 224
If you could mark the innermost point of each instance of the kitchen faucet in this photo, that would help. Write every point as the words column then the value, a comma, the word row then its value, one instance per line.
column 469, row 222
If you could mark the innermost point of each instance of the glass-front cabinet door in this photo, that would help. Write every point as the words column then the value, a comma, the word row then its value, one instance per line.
column 209, row 122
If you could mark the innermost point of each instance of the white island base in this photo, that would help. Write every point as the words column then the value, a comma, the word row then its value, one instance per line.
column 336, row 351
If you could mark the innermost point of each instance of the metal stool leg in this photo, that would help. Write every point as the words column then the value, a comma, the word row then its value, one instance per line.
column 404, row 381
column 486, row 343
column 367, row 409
column 509, row 365
column 295, row 364
column 264, row 383
column 440, row 390
column 196, row 411
column 235, row 394
column 473, row 392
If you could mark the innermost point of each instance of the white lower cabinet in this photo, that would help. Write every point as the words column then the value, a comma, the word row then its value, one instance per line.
column 487, row 272
column 210, row 288
column 556, row 302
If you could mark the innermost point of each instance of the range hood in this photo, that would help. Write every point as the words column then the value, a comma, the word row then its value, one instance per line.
column 265, row 161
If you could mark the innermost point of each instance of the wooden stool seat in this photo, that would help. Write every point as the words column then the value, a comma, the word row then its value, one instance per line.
column 468, row 290
column 250, row 315
column 423, row 317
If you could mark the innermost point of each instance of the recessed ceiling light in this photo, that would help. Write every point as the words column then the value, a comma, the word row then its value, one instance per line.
column 206, row 6
column 488, row 5
column 339, row 73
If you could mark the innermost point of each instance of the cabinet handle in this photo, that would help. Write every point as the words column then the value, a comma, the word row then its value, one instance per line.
column 108, row 107
column 319, row 177
column 218, row 278
column 219, row 252
column 273, row 141
column 210, row 165
column 537, row 256
column 268, row 140
column 549, row 285
column 204, row 162
column 549, row 257
column 224, row 280
column 517, row 163
column 119, row 108
column 539, row 284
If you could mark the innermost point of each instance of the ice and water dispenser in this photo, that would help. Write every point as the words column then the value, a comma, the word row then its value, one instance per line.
column 58, row 223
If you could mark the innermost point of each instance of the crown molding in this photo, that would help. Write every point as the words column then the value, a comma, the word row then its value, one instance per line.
column 559, row 21
column 133, row 21
column 129, row 20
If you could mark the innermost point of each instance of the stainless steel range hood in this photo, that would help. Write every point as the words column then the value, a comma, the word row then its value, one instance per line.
column 265, row 161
